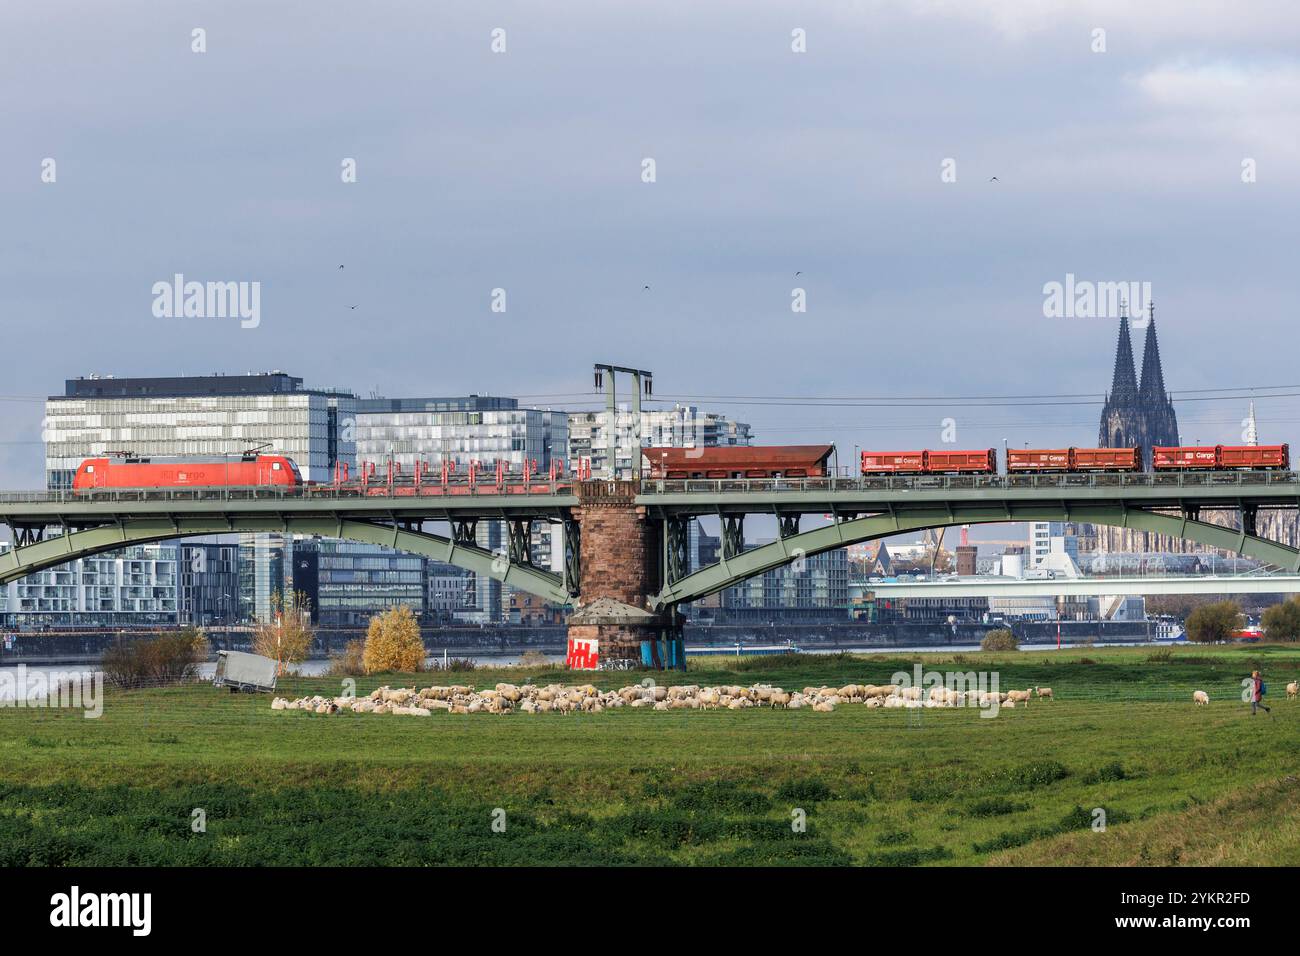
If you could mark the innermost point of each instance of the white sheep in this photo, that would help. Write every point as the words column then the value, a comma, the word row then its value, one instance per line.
column 1200, row 698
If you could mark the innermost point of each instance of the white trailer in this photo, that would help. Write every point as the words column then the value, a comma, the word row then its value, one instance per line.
column 244, row 672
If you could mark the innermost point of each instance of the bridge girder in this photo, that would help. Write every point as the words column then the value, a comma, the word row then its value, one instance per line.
column 60, row 549
column 738, row 567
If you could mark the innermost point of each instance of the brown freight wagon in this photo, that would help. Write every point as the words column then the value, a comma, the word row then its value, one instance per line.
column 893, row 462
column 1038, row 460
column 1105, row 459
column 984, row 462
column 1185, row 457
column 739, row 461
column 1255, row 456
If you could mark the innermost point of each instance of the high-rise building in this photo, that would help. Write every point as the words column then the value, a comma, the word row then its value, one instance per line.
column 1052, row 537
column 198, row 415
column 480, row 429
column 475, row 428
column 682, row 426
column 208, row 580
column 136, row 586
column 347, row 582
column 208, row 415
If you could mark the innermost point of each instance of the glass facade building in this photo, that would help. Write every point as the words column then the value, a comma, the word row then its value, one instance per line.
column 135, row 586
column 202, row 415
column 474, row 428
column 352, row 581
column 682, row 426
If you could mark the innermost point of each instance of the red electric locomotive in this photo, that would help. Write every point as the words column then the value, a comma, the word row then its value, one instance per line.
column 198, row 472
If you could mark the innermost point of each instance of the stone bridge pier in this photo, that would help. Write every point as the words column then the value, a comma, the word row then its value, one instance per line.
column 620, row 554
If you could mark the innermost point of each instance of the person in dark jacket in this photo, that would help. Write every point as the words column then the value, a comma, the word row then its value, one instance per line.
column 1257, row 694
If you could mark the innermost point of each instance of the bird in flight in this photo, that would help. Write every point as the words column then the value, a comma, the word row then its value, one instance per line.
column 993, row 180
column 797, row 274
column 644, row 287
column 340, row 267
column 353, row 307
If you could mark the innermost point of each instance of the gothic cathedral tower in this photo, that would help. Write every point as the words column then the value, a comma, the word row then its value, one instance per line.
column 1137, row 414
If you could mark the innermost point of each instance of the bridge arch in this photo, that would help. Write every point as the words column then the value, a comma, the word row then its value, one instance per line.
column 60, row 549
column 732, row 570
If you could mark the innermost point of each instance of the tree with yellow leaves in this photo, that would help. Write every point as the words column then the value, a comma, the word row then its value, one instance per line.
column 287, row 637
column 393, row 642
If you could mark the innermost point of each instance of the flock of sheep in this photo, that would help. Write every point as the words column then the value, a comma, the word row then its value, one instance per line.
column 558, row 698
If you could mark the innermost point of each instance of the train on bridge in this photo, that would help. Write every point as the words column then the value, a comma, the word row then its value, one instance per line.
column 276, row 471
column 722, row 462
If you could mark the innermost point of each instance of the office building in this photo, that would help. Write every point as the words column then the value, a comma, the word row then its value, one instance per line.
column 134, row 587
column 682, row 426
column 201, row 415
column 458, row 431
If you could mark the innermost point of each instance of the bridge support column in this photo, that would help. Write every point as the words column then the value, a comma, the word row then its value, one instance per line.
column 620, row 551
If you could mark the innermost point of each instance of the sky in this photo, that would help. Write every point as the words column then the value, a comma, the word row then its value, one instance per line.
column 1162, row 149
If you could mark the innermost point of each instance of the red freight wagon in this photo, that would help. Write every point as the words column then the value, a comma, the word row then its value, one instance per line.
column 1182, row 458
column 250, row 470
column 1038, row 459
column 965, row 462
column 1255, row 456
column 739, row 461
column 893, row 462
column 1105, row 459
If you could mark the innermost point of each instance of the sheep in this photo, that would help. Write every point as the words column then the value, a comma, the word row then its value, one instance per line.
column 1044, row 692
column 1019, row 696
column 1200, row 698
column 1292, row 689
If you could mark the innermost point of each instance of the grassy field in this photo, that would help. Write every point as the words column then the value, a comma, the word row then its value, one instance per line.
column 1178, row 784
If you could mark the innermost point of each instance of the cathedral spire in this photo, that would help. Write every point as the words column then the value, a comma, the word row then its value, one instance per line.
column 1152, row 389
column 1123, row 387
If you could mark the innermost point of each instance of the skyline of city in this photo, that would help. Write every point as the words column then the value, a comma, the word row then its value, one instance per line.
column 825, row 170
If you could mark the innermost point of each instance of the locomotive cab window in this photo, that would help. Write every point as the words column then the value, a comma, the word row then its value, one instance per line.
column 90, row 469
column 275, row 466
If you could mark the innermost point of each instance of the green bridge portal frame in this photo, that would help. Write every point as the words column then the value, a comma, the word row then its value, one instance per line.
column 60, row 549
column 790, row 547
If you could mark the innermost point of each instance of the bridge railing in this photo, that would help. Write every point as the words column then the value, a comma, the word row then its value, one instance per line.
column 281, row 493
column 1170, row 479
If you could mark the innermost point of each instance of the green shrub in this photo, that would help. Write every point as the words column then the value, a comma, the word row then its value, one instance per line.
column 999, row 640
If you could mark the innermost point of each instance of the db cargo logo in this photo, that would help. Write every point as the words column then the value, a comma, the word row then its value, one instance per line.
column 583, row 655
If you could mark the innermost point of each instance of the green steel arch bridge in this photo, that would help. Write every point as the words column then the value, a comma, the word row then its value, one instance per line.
column 641, row 559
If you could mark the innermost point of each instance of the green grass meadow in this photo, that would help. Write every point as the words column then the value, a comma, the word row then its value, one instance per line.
column 1179, row 784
